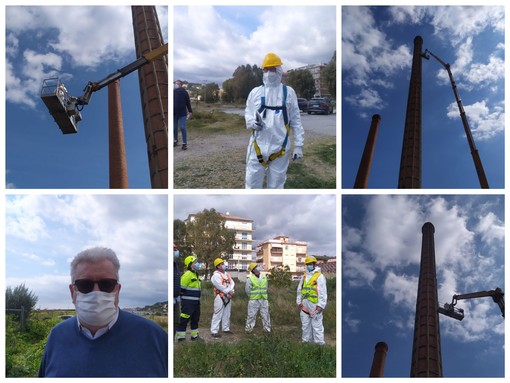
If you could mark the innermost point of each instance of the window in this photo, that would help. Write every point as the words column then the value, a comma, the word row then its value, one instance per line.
column 244, row 246
column 244, row 235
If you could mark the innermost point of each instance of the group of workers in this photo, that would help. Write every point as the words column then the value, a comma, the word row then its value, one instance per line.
column 311, row 299
column 271, row 115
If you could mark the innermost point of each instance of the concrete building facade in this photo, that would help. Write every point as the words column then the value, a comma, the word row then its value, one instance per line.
column 321, row 90
column 281, row 251
column 242, row 254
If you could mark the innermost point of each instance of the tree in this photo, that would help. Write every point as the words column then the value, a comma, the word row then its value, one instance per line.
column 211, row 93
column 228, row 91
column 20, row 297
column 329, row 74
column 280, row 276
column 302, row 82
column 245, row 78
column 209, row 238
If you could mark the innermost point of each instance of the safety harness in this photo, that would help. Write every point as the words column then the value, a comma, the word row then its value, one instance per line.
column 262, row 109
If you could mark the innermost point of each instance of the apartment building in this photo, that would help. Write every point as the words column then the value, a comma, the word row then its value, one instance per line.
column 281, row 251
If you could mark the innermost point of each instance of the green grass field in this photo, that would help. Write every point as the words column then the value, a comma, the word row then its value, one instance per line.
column 279, row 354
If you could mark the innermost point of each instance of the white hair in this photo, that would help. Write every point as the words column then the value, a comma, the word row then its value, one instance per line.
column 93, row 255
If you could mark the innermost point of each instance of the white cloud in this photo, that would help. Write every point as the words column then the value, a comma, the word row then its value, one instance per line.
column 491, row 228
column 49, row 230
column 401, row 289
column 386, row 248
column 357, row 269
column 484, row 122
column 366, row 99
column 42, row 40
column 299, row 35
column 366, row 50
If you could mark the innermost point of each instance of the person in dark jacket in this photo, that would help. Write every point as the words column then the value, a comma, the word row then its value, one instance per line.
column 182, row 111
column 177, row 288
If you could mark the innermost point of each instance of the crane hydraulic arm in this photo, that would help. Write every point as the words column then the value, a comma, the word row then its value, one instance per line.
column 66, row 109
column 474, row 151
column 451, row 311
column 95, row 86
column 496, row 295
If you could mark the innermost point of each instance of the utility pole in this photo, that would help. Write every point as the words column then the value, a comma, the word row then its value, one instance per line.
column 474, row 152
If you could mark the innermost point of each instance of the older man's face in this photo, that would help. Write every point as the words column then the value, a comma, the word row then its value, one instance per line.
column 95, row 271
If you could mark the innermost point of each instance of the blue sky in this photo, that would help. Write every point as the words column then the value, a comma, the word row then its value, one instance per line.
column 381, row 249
column 212, row 41
column 377, row 46
column 44, row 232
column 309, row 218
column 78, row 44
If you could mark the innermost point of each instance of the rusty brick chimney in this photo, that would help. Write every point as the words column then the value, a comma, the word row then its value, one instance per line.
column 426, row 358
column 368, row 153
column 410, row 161
column 379, row 361
column 153, row 79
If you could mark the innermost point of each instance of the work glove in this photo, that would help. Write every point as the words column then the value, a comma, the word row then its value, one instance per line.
column 259, row 122
column 298, row 153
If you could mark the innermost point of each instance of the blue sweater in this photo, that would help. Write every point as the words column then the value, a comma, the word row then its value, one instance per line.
column 133, row 347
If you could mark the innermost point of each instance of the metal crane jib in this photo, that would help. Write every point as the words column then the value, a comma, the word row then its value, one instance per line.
column 65, row 108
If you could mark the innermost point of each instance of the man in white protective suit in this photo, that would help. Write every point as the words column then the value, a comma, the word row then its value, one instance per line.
column 272, row 113
column 256, row 289
column 312, row 297
column 223, row 285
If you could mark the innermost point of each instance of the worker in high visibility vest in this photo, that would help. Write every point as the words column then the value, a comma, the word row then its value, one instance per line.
column 256, row 289
column 223, row 292
column 272, row 114
column 311, row 299
column 190, row 299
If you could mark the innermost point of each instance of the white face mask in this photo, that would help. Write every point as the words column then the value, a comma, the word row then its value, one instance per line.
column 271, row 78
column 96, row 308
column 176, row 86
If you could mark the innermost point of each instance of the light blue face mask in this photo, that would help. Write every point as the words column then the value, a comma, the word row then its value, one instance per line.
column 176, row 254
column 197, row 266
column 310, row 267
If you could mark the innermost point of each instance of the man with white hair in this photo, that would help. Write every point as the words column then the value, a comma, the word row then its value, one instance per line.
column 102, row 340
column 271, row 113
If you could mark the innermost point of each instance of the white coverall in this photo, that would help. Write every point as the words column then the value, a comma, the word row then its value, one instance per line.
column 271, row 137
column 313, row 329
column 221, row 314
column 254, row 305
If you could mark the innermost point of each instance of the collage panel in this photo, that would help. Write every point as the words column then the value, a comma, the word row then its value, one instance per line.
column 86, row 285
column 423, row 285
column 63, row 128
column 267, row 308
column 255, row 97
column 423, row 97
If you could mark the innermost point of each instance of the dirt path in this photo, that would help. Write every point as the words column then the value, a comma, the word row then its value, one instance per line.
column 239, row 335
column 215, row 161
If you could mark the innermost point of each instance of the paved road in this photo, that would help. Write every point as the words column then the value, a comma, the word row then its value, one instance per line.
column 321, row 124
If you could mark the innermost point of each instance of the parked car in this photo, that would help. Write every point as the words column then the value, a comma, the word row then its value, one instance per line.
column 320, row 105
column 303, row 104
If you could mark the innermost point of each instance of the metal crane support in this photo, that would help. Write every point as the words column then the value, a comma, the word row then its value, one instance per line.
column 66, row 109
column 451, row 311
column 474, row 151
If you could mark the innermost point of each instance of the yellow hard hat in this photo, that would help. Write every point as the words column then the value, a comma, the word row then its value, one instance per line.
column 189, row 260
column 218, row 261
column 310, row 259
column 271, row 59
column 252, row 266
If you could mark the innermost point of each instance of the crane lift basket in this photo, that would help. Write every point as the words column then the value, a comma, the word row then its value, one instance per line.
column 65, row 109
column 61, row 105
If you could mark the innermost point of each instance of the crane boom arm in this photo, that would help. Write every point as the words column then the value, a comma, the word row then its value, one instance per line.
column 141, row 61
column 496, row 295
column 474, row 151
